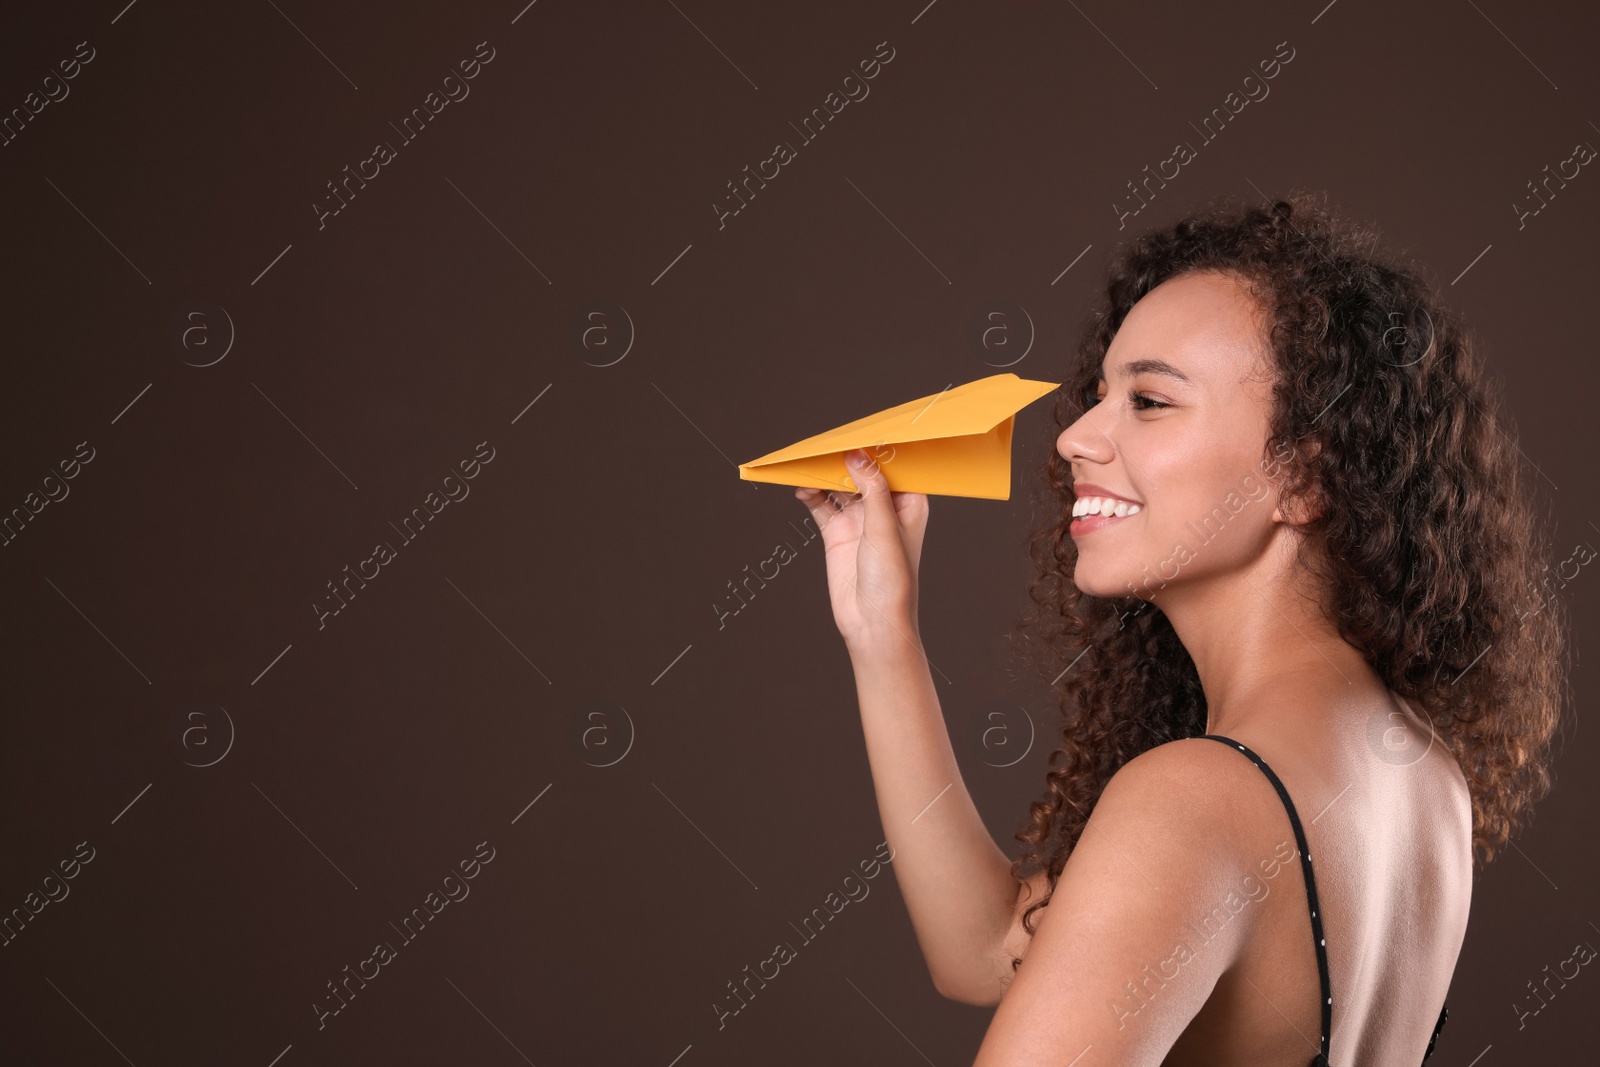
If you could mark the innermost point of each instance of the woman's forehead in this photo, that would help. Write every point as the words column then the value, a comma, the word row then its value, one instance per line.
column 1205, row 327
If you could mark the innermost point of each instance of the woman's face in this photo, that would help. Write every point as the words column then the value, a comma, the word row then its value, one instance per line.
column 1201, row 499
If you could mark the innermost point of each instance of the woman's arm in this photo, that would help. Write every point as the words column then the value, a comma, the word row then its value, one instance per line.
column 1151, row 909
column 957, row 884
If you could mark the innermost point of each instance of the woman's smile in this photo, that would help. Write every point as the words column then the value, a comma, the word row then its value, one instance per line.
column 1095, row 508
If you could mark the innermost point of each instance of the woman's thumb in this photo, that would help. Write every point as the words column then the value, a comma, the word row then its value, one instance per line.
column 878, row 519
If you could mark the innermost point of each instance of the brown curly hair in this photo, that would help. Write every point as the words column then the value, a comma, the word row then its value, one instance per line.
column 1432, row 555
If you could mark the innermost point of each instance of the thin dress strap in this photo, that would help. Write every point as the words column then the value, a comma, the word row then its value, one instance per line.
column 1444, row 1013
column 1321, row 1058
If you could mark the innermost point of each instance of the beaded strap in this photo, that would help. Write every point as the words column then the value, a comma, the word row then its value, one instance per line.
column 1444, row 1013
column 1321, row 1058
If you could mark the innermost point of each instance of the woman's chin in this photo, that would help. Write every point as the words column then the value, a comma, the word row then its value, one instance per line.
column 1092, row 580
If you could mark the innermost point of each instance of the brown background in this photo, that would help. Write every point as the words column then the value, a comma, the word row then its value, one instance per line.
column 491, row 663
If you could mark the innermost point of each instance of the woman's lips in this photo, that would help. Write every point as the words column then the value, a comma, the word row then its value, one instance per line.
column 1097, row 501
column 1091, row 523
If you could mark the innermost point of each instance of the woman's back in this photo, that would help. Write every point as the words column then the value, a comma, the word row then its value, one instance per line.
column 1387, row 821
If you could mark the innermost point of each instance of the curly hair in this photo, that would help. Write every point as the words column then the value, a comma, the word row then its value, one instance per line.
column 1432, row 557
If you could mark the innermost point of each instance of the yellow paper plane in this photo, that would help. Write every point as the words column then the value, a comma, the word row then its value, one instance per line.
column 954, row 443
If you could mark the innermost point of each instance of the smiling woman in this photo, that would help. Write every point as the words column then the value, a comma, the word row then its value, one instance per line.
column 1355, row 624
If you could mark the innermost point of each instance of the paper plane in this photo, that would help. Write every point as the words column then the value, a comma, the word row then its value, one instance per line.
column 953, row 443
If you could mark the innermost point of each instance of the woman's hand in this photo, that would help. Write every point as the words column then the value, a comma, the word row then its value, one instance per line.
column 873, row 545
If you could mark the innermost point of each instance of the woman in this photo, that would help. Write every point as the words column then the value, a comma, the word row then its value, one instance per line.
column 1298, row 616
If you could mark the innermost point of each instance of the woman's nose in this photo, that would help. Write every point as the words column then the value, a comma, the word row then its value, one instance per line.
column 1084, row 440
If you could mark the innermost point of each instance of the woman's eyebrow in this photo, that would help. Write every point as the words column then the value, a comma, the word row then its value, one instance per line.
column 1153, row 366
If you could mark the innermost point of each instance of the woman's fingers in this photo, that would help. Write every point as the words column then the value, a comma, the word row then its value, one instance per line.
column 825, row 505
column 911, row 511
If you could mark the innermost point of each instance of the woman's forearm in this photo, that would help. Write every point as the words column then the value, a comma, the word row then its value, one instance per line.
column 956, row 881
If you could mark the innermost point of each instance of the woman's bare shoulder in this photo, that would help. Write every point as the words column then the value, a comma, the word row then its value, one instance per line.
column 1219, row 796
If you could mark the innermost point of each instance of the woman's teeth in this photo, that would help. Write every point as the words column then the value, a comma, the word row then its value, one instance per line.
column 1103, row 505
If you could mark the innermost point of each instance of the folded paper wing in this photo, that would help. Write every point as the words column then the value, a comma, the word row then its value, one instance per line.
column 954, row 443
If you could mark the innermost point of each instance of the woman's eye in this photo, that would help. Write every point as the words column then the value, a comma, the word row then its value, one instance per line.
column 1140, row 402
column 1091, row 395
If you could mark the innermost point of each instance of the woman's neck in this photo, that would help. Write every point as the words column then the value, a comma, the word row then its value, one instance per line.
column 1252, row 630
